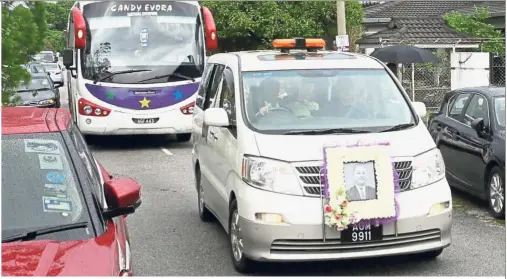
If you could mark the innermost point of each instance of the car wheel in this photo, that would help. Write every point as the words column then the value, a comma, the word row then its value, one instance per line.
column 495, row 191
column 431, row 254
column 183, row 137
column 241, row 263
column 204, row 213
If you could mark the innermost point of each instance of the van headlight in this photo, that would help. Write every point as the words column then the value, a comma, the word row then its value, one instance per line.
column 428, row 168
column 270, row 175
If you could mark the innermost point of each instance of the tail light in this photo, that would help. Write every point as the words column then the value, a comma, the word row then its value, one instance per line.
column 125, row 273
column 188, row 109
column 57, row 73
column 90, row 109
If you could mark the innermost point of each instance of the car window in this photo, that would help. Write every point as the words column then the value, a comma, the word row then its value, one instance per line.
column 37, row 83
column 323, row 99
column 478, row 108
column 457, row 103
column 199, row 102
column 51, row 66
column 227, row 99
column 500, row 111
column 39, row 184
column 214, row 86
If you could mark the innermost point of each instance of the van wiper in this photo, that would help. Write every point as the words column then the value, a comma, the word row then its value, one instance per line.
column 119, row 73
column 32, row 234
column 168, row 76
column 398, row 127
column 328, row 131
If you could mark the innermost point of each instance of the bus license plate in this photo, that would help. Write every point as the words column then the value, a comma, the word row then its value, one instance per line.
column 145, row 120
column 361, row 233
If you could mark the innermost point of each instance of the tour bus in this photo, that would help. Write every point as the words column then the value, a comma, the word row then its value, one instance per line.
column 135, row 67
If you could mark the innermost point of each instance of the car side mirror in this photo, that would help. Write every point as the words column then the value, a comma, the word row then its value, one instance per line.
column 479, row 126
column 216, row 117
column 420, row 108
column 123, row 196
column 58, row 85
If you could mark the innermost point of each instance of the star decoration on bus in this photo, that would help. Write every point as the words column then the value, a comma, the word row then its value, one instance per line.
column 110, row 95
column 178, row 95
column 145, row 103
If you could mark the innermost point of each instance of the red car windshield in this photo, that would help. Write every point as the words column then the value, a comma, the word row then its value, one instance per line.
column 39, row 185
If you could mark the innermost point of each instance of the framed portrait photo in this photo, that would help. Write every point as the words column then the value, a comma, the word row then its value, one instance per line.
column 365, row 173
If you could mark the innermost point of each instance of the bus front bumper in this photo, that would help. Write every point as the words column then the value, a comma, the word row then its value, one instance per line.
column 120, row 123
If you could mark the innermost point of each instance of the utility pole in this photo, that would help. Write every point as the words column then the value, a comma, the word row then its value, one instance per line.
column 340, row 18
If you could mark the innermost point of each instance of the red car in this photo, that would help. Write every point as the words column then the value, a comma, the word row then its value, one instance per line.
column 62, row 212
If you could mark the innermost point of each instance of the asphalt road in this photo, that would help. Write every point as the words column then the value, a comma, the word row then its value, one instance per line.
column 168, row 238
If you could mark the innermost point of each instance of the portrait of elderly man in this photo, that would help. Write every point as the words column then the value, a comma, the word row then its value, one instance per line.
column 361, row 184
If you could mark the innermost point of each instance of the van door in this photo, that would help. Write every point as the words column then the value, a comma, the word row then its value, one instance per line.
column 225, row 149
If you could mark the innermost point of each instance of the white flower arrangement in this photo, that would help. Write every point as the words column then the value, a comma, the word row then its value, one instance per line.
column 337, row 214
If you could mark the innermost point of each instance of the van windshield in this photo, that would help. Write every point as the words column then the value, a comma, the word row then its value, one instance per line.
column 288, row 100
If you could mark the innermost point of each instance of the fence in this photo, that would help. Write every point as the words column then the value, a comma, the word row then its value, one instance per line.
column 428, row 83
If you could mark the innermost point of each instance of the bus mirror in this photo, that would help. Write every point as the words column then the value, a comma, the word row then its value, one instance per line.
column 79, row 28
column 68, row 58
column 210, row 30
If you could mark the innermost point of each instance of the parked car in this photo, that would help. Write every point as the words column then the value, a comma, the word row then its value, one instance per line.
column 469, row 130
column 258, row 158
column 39, row 92
column 55, row 72
column 63, row 214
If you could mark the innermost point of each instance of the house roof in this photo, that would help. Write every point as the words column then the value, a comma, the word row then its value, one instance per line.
column 431, row 8
column 431, row 30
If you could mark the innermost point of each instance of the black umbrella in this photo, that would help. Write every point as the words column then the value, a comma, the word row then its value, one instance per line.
column 404, row 54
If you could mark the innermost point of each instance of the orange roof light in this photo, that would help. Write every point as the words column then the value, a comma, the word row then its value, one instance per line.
column 298, row 43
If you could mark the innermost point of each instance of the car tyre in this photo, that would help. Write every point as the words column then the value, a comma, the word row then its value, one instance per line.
column 495, row 192
column 204, row 213
column 431, row 254
column 183, row 137
column 241, row 263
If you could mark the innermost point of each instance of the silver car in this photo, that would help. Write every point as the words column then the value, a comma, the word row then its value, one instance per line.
column 55, row 71
column 260, row 125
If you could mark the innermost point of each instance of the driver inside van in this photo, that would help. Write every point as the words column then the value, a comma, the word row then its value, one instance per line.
column 269, row 93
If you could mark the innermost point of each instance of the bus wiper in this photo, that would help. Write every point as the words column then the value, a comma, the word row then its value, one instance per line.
column 119, row 73
column 398, row 127
column 328, row 131
column 168, row 76
column 32, row 234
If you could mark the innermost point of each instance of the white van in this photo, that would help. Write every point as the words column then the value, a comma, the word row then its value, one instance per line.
column 261, row 123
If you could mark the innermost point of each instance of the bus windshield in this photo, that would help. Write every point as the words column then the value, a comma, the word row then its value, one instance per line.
column 163, row 37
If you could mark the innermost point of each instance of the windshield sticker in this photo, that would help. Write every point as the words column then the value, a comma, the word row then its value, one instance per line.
column 50, row 162
column 54, row 204
column 144, row 37
column 55, row 177
column 55, row 190
column 41, row 146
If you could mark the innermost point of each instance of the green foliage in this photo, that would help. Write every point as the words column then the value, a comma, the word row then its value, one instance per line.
column 21, row 39
column 476, row 26
column 57, row 14
column 55, row 40
column 253, row 25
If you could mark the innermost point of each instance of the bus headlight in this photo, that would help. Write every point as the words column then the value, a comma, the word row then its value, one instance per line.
column 87, row 109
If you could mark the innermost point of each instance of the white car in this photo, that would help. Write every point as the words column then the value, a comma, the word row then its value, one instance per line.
column 260, row 125
column 55, row 71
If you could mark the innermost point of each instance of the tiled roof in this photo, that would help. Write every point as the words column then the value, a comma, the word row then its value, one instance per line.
column 431, row 8
column 417, row 30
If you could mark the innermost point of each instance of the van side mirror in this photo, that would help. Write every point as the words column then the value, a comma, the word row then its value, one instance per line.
column 420, row 108
column 479, row 126
column 123, row 196
column 216, row 117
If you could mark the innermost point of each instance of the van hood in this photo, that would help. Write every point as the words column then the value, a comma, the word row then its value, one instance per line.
column 297, row 148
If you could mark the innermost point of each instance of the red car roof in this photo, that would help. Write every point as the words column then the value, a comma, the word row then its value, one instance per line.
column 28, row 120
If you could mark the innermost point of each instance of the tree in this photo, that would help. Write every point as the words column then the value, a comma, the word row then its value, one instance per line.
column 22, row 26
column 476, row 26
column 57, row 15
column 253, row 25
